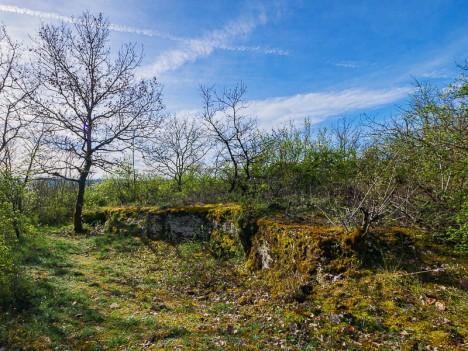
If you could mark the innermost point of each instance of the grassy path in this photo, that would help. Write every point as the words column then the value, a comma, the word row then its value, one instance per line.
column 110, row 292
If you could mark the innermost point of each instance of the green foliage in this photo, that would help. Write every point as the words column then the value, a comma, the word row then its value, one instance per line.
column 432, row 135
column 10, row 227
column 459, row 232
column 152, row 190
column 50, row 201
column 7, row 263
column 301, row 163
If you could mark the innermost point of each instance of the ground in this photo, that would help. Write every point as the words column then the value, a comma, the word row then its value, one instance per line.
column 120, row 292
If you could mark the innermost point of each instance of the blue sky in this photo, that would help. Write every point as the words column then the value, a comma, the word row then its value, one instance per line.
column 316, row 59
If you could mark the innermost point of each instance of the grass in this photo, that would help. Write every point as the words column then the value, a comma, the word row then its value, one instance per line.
column 117, row 292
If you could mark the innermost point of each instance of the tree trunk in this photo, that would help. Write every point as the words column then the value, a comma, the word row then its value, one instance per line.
column 77, row 220
column 18, row 208
column 235, row 175
column 366, row 221
column 16, row 228
column 179, row 183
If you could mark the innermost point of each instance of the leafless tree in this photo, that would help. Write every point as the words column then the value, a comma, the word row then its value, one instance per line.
column 236, row 133
column 178, row 148
column 13, row 91
column 348, row 134
column 92, row 102
column 16, row 162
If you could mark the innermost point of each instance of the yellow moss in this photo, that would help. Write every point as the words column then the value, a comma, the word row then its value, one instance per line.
column 225, row 242
column 294, row 253
column 292, row 247
column 127, row 211
column 352, row 238
column 438, row 337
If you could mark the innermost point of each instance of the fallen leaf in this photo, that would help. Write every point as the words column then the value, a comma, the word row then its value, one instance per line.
column 430, row 300
column 440, row 306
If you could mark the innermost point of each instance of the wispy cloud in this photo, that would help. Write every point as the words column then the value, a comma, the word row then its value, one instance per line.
column 217, row 36
column 349, row 64
column 69, row 19
column 319, row 106
column 346, row 65
column 40, row 14
column 259, row 49
column 192, row 49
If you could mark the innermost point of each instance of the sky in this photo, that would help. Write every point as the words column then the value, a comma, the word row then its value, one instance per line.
column 299, row 59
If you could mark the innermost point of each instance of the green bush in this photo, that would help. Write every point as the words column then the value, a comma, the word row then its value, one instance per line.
column 6, row 262
column 459, row 232
column 50, row 201
column 7, row 254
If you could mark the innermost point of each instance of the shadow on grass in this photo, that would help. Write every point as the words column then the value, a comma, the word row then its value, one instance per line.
column 43, row 300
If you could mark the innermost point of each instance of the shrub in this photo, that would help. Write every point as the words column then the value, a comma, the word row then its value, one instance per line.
column 459, row 232
column 50, row 200
column 7, row 256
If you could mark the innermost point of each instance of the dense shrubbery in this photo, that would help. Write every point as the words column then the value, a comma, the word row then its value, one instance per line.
column 459, row 231
column 50, row 201
column 9, row 221
column 408, row 171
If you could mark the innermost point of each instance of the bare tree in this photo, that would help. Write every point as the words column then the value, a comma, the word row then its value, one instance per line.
column 15, row 160
column 13, row 91
column 178, row 148
column 92, row 103
column 19, row 166
column 236, row 133
column 348, row 133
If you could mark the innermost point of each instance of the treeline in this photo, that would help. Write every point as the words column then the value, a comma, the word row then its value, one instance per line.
column 410, row 170
column 73, row 108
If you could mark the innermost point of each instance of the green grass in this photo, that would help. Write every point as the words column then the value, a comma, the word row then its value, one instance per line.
column 114, row 292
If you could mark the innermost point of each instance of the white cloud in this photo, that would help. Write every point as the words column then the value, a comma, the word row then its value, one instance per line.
column 319, row 106
column 350, row 64
column 40, row 14
column 69, row 19
column 192, row 49
column 346, row 65
column 219, row 39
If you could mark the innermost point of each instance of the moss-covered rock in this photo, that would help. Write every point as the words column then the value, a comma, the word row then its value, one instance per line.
column 225, row 240
column 216, row 223
column 289, row 247
column 295, row 257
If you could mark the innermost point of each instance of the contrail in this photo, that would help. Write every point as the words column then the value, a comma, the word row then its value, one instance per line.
column 24, row 11
column 133, row 30
column 114, row 27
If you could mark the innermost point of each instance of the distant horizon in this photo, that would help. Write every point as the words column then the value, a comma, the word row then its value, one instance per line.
column 298, row 59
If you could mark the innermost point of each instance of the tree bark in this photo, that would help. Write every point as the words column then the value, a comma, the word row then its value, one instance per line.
column 77, row 220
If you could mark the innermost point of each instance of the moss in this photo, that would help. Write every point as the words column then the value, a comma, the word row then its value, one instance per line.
column 290, row 256
column 96, row 216
column 353, row 239
column 293, row 247
column 159, row 287
column 224, row 239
